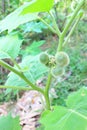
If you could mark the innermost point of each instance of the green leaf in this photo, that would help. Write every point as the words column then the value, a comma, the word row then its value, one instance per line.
column 24, row 14
column 34, row 71
column 40, row 128
column 72, row 117
column 3, row 55
column 38, row 6
column 9, row 123
column 33, row 27
column 13, row 20
column 10, row 46
column 33, row 49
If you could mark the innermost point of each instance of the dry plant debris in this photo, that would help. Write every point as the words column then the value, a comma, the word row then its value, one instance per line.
column 28, row 108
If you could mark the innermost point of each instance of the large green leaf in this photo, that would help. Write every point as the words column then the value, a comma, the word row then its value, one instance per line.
column 72, row 117
column 9, row 123
column 10, row 46
column 38, row 6
column 32, row 69
column 25, row 13
column 13, row 20
column 33, row 49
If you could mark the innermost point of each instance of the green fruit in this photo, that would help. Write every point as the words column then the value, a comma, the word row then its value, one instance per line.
column 62, row 59
column 44, row 58
column 57, row 71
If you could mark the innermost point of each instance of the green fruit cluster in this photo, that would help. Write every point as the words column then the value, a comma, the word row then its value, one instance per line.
column 57, row 63
column 62, row 60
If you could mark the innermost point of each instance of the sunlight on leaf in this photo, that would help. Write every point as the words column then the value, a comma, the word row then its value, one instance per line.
column 38, row 6
column 13, row 20
column 24, row 14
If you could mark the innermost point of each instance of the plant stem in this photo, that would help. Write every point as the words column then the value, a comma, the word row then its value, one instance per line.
column 72, row 30
column 62, row 36
column 15, row 63
column 17, row 88
column 61, row 39
column 7, row 66
column 50, row 28
column 55, row 24
column 72, row 18
column 46, row 93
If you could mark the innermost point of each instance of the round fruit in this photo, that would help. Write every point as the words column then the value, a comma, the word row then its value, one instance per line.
column 44, row 58
column 62, row 59
column 57, row 71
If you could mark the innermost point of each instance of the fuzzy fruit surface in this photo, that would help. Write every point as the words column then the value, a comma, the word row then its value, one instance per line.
column 57, row 71
column 44, row 58
column 62, row 59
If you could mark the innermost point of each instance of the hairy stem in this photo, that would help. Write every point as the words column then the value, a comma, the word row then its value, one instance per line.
column 15, row 63
column 63, row 34
column 50, row 28
column 46, row 93
column 71, row 31
column 17, row 88
column 21, row 75
column 55, row 24
column 72, row 18
column 61, row 39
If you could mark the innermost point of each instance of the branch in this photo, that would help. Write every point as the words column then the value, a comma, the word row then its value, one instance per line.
column 7, row 66
column 61, row 38
column 71, row 31
column 50, row 28
column 17, row 88
column 46, row 92
column 55, row 24
column 73, row 17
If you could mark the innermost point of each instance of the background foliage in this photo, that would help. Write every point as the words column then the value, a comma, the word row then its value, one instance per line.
column 24, row 43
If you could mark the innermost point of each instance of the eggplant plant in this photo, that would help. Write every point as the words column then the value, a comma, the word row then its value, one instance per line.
column 21, row 77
